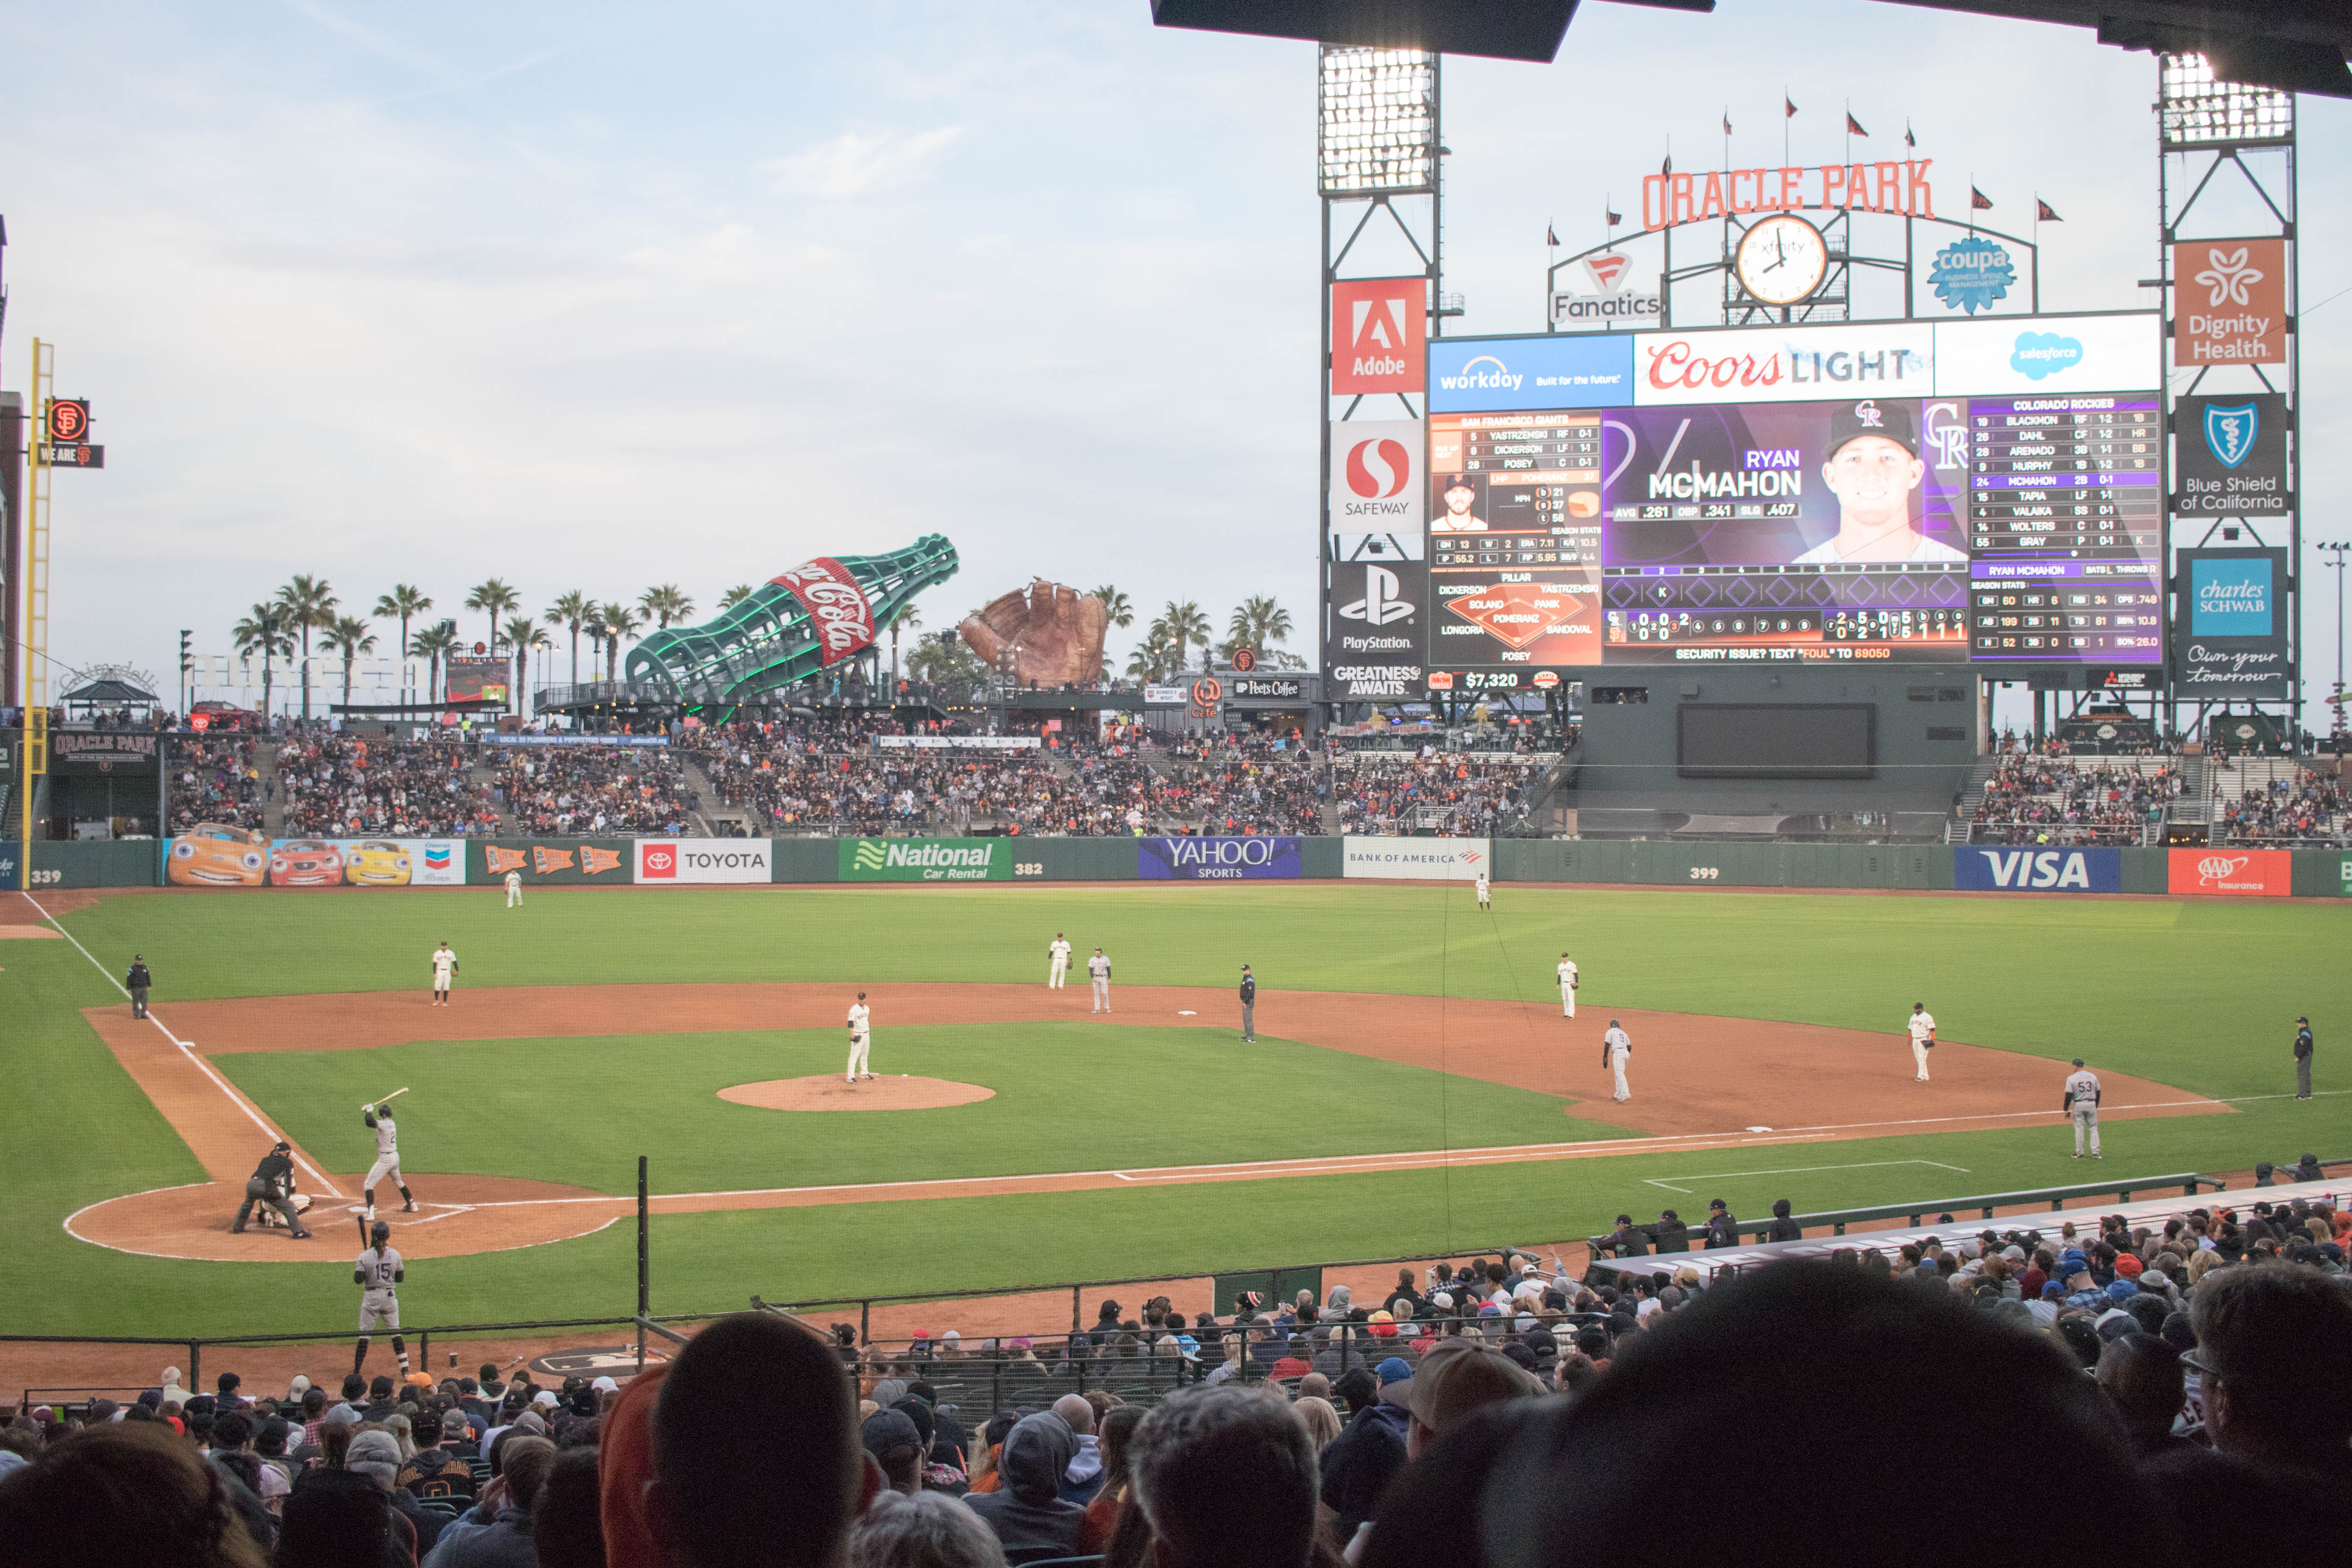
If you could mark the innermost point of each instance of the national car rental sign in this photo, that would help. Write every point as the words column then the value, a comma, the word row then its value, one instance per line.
column 1380, row 334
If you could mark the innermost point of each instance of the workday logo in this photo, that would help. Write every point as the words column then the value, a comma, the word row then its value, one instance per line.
column 1484, row 374
column 2040, row 355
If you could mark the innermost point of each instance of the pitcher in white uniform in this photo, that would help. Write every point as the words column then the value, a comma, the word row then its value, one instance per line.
column 1099, row 967
column 1923, row 1037
column 1567, row 986
column 2081, row 1102
column 445, row 968
column 860, row 1017
column 1059, row 968
column 387, row 1158
column 1615, row 1048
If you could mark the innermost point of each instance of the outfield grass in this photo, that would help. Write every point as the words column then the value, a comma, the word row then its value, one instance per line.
column 2196, row 994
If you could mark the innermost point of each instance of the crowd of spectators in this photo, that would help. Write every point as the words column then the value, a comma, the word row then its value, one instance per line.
column 1229, row 793
column 2309, row 805
column 345, row 785
column 213, row 779
column 2042, row 798
column 2111, row 1382
column 575, row 791
column 1452, row 792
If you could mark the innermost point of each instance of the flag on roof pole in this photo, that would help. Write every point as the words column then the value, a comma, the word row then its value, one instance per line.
column 1611, row 213
column 2044, row 213
column 1979, row 201
column 1787, row 106
column 1551, row 238
column 1853, row 126
column 1668, row 166
column 1727, row 121
column 1908, row 140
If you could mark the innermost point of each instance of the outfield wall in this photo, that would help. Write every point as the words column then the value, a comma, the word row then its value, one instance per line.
column 481, row 862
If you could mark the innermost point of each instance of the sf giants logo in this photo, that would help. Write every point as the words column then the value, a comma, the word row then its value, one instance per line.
column 843, row 620
column 1379, row 330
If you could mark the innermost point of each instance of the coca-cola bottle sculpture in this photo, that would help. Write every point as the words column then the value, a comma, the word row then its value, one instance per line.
column 792, row 627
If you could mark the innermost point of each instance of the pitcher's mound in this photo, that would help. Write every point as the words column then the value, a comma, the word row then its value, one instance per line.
column 826, row 1092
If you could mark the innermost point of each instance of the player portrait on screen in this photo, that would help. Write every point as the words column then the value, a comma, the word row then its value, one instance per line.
column 1458, row 495
column 1872, row 469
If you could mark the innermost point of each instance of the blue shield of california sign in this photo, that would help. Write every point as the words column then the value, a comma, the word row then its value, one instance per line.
column 2229, row 431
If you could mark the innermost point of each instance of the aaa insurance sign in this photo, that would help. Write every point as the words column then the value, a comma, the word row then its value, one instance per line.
column 2232, row 873
column 1380, row 334
column 704, row 860
column 1376, row 478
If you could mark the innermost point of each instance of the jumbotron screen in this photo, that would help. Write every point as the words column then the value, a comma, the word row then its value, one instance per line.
column 1852, row 505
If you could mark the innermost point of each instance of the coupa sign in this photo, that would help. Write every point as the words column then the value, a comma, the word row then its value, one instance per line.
column 926, row 859
column 1216, row 860
column 2039, row 870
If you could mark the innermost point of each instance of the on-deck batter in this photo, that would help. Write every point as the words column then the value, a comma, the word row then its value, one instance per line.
column 378, row 1274
column 1923, row 1037
column 860, row 1041
column 1099, row 967
column 1615, row 1047
column 1058, row 952
column 2081, row 1102
column 1567, row 986
column 444, row 968
column 387, row 1158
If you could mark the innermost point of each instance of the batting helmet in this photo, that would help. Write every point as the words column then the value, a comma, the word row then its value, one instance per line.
column 380, row 1233
column 384, row 1110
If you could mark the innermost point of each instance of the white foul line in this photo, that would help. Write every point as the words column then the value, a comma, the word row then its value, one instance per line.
column 201, row 1065
column 1794, row 1171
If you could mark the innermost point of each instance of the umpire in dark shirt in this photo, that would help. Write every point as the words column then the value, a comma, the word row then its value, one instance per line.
column 1249, row 1006
column 138, row 979
column 272, row 1182
column 2303, row 1058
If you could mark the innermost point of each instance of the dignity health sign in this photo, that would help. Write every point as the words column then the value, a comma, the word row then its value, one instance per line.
column 1216, row 860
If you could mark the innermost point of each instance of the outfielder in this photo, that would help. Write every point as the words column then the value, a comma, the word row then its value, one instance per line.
column 1099, row 967
column 1923, row 1037
column 1567, row 986
column 444, row 968
column 272, row 1182
column 377, row 1274
column 1059, row 948
column 1482, row 891
column 860, row 1040
column 387, row 1157
column 514, row 889
column 2081, row 1102
column 1615, row 1050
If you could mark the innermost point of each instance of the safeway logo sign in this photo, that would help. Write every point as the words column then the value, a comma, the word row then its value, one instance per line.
column 2245, row 873
column 1378, row 469
column 1376, row 478
column 1380, row 334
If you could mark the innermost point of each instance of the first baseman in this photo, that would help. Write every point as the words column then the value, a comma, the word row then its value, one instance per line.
column 387, row 1157
column 2080, row 1099
column 1567, row 986
column 860, row 1018
column 1616, row 1046
column 444, row 968
column 1923, row 1037
column 514, row 889
column 1058, row 952
column 1099, row 967
column 378, row 1274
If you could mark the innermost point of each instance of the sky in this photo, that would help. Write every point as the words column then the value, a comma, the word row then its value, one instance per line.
column 602, row 297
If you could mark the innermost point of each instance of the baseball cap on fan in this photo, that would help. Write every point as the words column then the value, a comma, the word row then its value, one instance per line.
column 1870, row 416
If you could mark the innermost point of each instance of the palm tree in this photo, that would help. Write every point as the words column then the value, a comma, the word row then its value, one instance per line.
column 349, row 636
column 620, row 621
column 907, row 619
column 263, row 632
column 493, row 598
column 1141, row 664
column 735, row 595
column 666, row 605
column 1122, row 613
column 306, row 602
column 399, row 604
column 1258, row 623
column 433, row 644
column 572, row 611
column 1183, row 625
column 522, row 634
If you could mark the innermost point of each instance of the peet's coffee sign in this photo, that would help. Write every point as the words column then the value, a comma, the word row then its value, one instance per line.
column 1279, row 688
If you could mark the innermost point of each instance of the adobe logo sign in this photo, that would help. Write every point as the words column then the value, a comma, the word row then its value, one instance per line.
column 1380, row 334
column 1376, row 475
column 2232, row 873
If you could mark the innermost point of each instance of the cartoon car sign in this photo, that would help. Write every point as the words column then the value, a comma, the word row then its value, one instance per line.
column 374, row 863
column 306, row 863
column 210, row 855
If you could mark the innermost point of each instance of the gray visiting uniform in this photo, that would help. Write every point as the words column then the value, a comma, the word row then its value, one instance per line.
column 379, row 1271
column 2081, row 1102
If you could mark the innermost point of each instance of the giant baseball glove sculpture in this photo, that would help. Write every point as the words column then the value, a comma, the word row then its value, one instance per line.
column 1054, row 634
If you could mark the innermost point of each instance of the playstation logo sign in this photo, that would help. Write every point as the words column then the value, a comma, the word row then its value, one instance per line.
column 1375, row 611
column 1380, row 605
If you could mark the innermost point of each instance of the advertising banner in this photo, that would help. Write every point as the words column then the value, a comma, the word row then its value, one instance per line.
column 1216, row 860
column 2232, row 873
column 2230, row 625
column 211, row 855
column 1374, row 645
column 1379, row 330
column 1416, row 859
column 2232, row 301
column 962, row 742
column 926, row 859
column 1474, row 374
column 2119, row 352
column 2231, row 458
column 1782, row 365
column 1166, row 695
column 1994, row 871
column 1607, row 291
column 1376, row 478
column 573, row 860
column 660, row 860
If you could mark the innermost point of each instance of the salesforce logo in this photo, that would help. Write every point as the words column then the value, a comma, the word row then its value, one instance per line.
column 2040, row 355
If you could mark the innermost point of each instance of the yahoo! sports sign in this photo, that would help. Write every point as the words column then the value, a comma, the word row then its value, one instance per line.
column 1216, row 860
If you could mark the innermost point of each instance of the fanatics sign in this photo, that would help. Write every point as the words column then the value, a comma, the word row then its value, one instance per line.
column 1380, row 334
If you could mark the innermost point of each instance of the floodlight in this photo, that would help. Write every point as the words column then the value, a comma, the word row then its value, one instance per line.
column 1379, row 122
column 2196, row 109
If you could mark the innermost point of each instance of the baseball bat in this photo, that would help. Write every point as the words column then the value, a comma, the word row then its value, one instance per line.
column 371, row 1104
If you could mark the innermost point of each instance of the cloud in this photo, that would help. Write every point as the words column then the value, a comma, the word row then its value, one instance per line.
column 852, row 163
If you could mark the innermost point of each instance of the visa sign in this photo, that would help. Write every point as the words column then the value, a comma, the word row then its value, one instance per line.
column 2038, row 870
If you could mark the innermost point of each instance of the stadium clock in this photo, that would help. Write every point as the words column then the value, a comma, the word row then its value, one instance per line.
column 1781, row 260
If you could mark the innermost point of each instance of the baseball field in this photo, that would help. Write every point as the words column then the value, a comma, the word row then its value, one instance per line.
column 1414, row 1089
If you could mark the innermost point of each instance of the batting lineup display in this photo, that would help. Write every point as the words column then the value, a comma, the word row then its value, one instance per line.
column 1935, row 493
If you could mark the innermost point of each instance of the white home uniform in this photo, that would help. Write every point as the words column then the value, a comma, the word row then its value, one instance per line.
column 1568, row 988
column 514, row 889
column 1922, row 1025
column 1060, row 967
column 444, row 968
column 1099, row 967
column 860, row 1040
column 1482, row 889
column 1615, row 1047
column 379, row 1271
column 2081, row 1102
